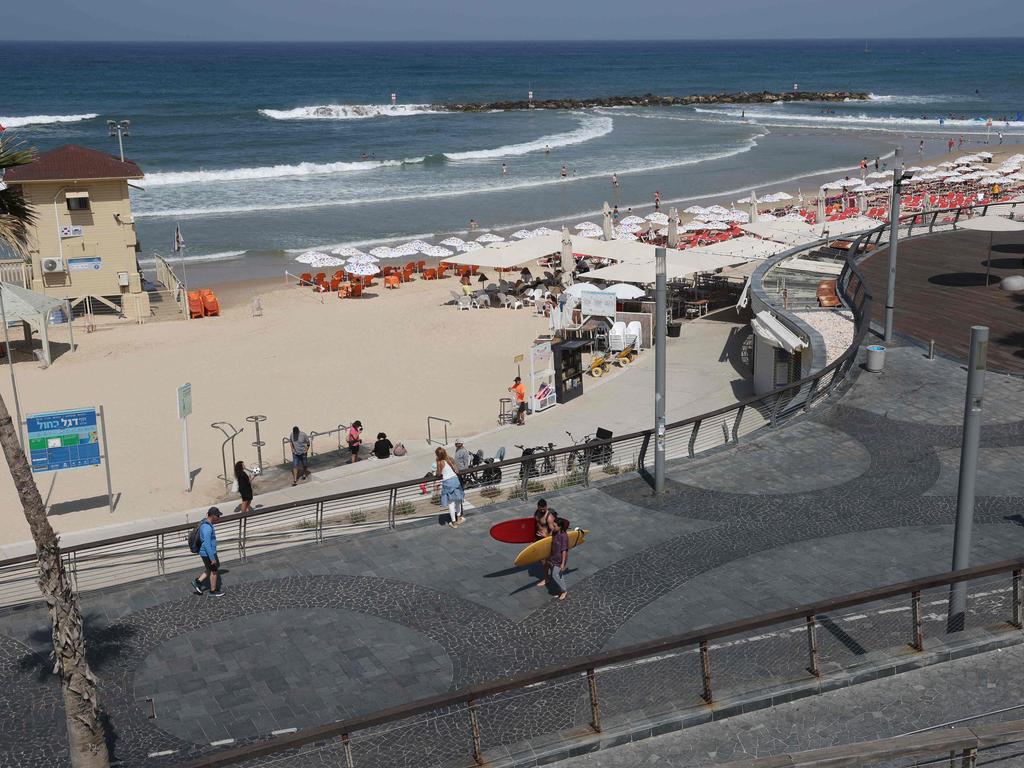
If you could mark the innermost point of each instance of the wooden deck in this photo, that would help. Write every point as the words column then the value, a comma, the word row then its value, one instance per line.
column 941, row 293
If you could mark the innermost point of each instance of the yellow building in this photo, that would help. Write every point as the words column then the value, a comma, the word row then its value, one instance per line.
column 83, row 244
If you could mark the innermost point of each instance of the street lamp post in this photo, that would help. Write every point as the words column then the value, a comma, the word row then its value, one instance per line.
column 119, row 128
column 898, row 176
column 660, row 312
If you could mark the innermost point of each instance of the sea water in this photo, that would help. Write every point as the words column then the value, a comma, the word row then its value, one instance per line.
column 260, row 150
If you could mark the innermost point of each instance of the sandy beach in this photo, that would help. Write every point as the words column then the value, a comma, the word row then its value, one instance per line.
column 390, row 360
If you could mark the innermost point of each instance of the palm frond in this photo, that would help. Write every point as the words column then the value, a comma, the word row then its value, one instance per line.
column 15, row 215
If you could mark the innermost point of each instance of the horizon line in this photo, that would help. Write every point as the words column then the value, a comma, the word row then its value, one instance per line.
column 363, row 41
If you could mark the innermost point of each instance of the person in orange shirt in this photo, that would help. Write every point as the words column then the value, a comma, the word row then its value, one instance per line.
column 518, row 390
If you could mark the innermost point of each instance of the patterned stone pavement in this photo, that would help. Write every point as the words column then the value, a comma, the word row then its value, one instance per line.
column 856, row 495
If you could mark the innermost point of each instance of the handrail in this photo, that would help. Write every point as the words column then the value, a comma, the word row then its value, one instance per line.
column 430, row 438
column 588, row 664
column 845, row 360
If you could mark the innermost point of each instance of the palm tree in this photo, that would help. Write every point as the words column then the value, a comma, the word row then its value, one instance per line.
column 86, row 736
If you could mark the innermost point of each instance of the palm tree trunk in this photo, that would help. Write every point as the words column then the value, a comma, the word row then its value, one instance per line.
column 78, row 684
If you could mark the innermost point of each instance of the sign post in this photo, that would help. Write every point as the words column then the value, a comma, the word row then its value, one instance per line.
column 184, row 411
column 68, row 440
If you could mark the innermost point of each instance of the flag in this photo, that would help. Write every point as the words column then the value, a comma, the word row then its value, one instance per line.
column 179, row 241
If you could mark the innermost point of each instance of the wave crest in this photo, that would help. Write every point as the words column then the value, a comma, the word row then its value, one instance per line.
column 591, row 127
column 349, row 111
column 173, row 178
column 20, row 122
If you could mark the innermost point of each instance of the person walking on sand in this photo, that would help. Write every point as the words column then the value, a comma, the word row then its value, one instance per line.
column 518, row 391
column 615, row 213
column 244, row 484
column 355, row 440
column 452, row 494
column 300, row 447
column 559, row 559
column 207, row 535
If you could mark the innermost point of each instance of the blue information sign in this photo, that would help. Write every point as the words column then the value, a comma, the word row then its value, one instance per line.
column 63, row 440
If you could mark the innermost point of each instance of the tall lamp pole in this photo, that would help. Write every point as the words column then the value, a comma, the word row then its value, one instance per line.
column 660, row 311
column 976, row 366
column 898, row 176
column 119, row 128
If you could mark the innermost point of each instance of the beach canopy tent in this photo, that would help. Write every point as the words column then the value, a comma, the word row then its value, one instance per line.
column 32, row 308
column 846, row 226
column 769, row 328
column 739, row 271
column 512, row 254
column 743, row 247
column 678, row 264
column 781, row 231
column 616, row 250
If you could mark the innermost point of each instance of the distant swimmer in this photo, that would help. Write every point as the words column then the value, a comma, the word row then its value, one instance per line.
column 565, row 171
column 920, row 147
column 547, row 150
column 472, row 225
column 504, row 170
column 657, row 200
column 615, row 180
column 365, row 156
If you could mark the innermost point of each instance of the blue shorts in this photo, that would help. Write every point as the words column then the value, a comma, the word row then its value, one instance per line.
column 298, row 460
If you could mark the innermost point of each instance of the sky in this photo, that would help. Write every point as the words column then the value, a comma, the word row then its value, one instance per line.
column 376, row 20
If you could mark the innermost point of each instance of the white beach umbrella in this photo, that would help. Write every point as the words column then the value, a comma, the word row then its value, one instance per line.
column 541, row 231
column 624, row 236
column 576, row 289
column 717, row 209
column 716, row 225
column 625, row 291
column 588, row 225
column 633, row 219
column 467, row 247
column 488, row 237
column 522, row 234
column 407, row 249
column 792, row 216
column 363, row 268
column 365, row 257
column 437, row 252
column 568, row 259
column 658, row 218
column 383, row 252
column 673, row 228
column 630, row 228
column 693, row 209
column 310, row 256
column 606, row 221
column 780, row 196
column 420, row 245
column 454, row 242
column 695, row 226
column 347, row 251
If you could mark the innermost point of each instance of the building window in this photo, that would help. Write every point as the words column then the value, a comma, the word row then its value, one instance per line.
column 78, row 203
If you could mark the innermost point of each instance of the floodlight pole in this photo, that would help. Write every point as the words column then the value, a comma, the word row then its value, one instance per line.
column 894, row 236
column 968, row 473
column 660, row 310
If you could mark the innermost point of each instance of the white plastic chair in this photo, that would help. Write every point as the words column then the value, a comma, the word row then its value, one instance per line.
column 634, row 335
column 465, row 302
column 480, row 300
column 617, row 337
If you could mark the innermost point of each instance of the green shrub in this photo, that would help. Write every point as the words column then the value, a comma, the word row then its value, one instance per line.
column 611, row 469
column 569, row 480
column 515, row 493
column 405, row 508
column 307, row 524
column 536, row 486
column 357, row 516
column 490, row 492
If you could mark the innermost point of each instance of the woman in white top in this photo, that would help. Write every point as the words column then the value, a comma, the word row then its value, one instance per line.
column 452, row 494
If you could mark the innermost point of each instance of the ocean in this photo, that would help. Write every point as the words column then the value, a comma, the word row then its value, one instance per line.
column 258, row 151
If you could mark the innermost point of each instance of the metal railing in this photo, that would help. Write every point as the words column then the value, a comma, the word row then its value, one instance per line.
column 430, row 435
column 286, row 454
column 97, row 564
column 797, row 659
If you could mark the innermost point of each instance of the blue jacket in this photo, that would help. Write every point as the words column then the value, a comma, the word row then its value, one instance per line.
column 208, row 537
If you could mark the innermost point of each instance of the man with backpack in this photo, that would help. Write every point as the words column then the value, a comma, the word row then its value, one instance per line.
column 203, row 542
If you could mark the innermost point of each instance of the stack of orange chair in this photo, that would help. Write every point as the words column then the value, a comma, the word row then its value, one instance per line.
column 211, row 307
column 195, row 304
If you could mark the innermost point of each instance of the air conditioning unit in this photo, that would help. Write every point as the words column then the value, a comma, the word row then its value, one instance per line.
column 53, row 265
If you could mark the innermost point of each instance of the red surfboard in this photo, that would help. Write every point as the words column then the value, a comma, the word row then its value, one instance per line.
column 522, row 530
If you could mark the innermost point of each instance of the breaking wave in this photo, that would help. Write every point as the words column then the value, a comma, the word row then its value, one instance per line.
column 20, row 122
column 591, row 127
column 172, row 178
column 349, row 111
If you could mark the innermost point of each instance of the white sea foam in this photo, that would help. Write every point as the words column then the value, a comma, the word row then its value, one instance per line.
column 197, row 258
column 591, row 127
column 457, row 192
column 893, row 98
column 173, row 178
column 363, row 243
column 349, row 111
column 861, row 120
column 19, row 122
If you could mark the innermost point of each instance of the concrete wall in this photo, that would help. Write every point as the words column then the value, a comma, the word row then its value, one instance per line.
column 108, row 233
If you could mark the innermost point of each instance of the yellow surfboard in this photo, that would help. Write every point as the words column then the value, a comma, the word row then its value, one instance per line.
column 541, row 550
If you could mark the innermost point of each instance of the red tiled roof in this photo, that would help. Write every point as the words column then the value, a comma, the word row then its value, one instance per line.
column 72, row 162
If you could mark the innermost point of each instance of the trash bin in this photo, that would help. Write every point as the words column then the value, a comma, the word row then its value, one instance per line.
column 674, row 327
column 876, row 358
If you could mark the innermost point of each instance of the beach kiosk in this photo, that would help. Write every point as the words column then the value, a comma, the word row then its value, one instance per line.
column 82, row 244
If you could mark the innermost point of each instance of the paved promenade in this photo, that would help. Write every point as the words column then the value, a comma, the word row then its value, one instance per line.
column 854, row 496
